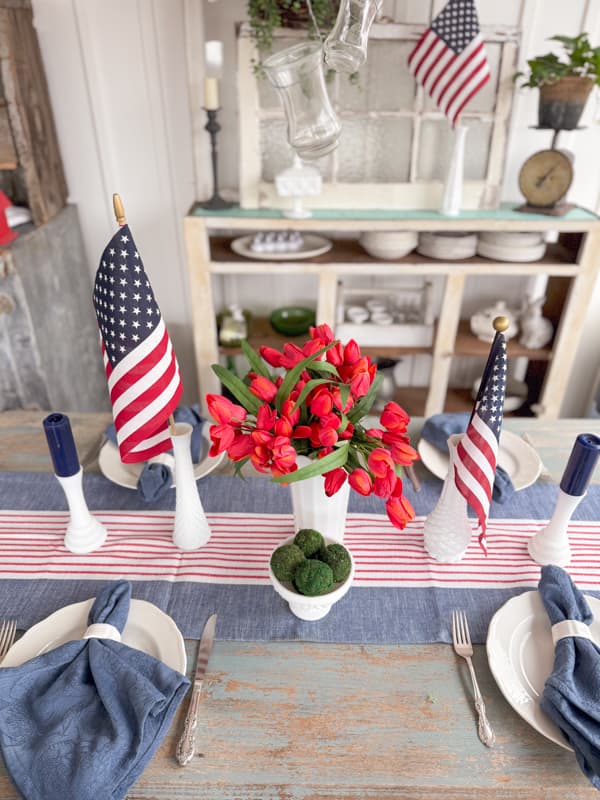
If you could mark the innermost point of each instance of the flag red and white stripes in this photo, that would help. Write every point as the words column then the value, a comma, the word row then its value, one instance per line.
column 141, row 368
column 477, row 451
column 449, row 60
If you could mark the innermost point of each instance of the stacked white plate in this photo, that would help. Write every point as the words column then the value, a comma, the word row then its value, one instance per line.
column 513, row 246
column 449, row 246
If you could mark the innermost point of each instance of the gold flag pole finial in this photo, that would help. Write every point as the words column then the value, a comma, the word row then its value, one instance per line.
column 501, row 324
column 119, row 210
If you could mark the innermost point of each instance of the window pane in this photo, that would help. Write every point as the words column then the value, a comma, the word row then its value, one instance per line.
column 374, row 150
column 384, row 83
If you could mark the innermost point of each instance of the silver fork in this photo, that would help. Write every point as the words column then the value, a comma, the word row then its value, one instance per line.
column 461, row 639
column 8, row 631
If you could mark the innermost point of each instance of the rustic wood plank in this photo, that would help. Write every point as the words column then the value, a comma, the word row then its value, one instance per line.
column 30, row 114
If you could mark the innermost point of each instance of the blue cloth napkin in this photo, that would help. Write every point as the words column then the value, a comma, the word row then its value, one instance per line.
column 82, row 721
column 571, row 696
column 439, row 427
column 155, row 479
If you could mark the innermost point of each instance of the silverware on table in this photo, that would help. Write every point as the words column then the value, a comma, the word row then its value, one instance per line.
column 8, row 631
column 186, row 746
column 461, row 639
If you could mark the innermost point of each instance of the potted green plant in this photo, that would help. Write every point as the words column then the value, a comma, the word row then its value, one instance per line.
column 565, row 81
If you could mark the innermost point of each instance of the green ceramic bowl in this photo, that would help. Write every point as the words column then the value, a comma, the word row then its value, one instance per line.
column 292, row 320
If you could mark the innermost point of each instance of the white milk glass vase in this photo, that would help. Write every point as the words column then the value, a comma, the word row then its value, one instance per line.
column 296, row 73
column 447, row 530
column 190, row 530
column 346, row 45
column 313, row 509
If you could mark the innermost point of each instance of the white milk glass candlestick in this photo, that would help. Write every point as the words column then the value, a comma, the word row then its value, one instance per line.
column 84, row 532
column 346, row 45
column 447, row 530
column 551, row 544
column 296, row 73
column 191, row 529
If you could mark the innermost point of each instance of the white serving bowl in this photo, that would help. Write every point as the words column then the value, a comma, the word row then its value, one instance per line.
column 448, row 246
column 388, row 245
column 303, row 606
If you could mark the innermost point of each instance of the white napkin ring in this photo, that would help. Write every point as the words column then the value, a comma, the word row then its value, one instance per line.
column 570, row 627
column 101, row 630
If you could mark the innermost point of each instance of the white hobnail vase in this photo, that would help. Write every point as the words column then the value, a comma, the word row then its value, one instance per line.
column 190, row 530
column 313, row 509
column 448, row 530
column 84, row 532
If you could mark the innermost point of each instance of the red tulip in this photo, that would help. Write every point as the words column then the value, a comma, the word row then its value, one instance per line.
column 321, row 402
column 375, row 433
column 242, row 446
column 266, row 417
column 223, row 410
column 360, row 480
column 399, row 447
column 394, row 417
column 261, row 458
column 380, row 462
column 335, row 354
column 334, row 480
column 327, row 437
column 262, row 437
column 222, row 437
column 302, row 432
column 284, row 455
column 263, row 388
column 270, row 355
column 322, row 332
column 399, row 511
column 283, row 427
column 351, row 353
column 384, row 487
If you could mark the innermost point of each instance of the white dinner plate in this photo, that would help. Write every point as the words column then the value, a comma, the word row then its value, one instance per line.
column 148, row 629
column 521, row 655
column 517, row 458
column 128, row 475
column 313, row 245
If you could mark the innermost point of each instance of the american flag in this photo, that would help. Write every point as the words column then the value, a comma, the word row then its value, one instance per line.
column 141, row 368
column 478, row 449
column 449, row 60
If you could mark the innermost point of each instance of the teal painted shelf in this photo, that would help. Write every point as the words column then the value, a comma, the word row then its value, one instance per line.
column 505, row 212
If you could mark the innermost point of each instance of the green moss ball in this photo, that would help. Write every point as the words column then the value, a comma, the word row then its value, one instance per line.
column 313, row 577
column 309, row 541
column 285, row 560
column 338, row 558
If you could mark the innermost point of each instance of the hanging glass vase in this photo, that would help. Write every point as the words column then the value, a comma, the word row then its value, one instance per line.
column 297, row 74
column 346, row 45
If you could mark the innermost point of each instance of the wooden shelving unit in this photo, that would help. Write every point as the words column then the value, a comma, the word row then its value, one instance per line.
column 574, row 259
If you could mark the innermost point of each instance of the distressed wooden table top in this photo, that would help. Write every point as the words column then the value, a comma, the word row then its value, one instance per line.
column 302, row 721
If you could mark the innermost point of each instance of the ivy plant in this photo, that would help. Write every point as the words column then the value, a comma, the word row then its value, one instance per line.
column 578, row 59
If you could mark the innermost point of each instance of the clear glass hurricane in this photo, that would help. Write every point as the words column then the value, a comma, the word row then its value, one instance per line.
column 313, row 128
column 346, row 45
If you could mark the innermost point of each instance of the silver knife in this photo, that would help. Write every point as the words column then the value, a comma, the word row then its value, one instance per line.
column 186, row 747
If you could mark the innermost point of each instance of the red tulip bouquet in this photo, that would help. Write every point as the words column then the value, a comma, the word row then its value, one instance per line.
column 315, row 408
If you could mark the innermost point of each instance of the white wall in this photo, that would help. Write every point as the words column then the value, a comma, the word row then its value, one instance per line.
column 128, row 110
column 117, row 76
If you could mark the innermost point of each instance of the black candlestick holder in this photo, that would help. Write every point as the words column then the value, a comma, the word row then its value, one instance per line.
column 216, row 202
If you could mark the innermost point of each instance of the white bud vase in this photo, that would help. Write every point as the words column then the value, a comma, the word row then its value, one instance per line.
column 313, row 509
column 447, row 530
column 190, row 530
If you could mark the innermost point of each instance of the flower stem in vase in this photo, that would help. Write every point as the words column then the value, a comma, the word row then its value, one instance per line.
column 191, row 530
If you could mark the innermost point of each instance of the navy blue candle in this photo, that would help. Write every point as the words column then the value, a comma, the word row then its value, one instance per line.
column 581, row 464
column 62, row 445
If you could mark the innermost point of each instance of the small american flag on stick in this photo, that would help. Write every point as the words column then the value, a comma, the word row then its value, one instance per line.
column 141, row 368
column 478, row 449
column 449, row 60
